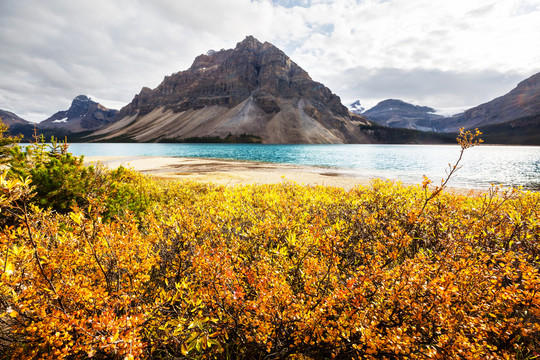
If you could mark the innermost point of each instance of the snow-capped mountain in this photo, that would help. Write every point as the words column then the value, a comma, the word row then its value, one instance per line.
column 356, row 107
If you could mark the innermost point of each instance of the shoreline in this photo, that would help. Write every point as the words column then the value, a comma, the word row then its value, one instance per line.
column 229, row 172
column 237, row 172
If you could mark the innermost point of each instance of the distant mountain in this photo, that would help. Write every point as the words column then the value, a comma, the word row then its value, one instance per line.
column 17, row 125
column 513, row 118
column 253, row 92
column 521, row 102
column 11, row 119
column 356, row 107
column 83, row 115
column 399, row 114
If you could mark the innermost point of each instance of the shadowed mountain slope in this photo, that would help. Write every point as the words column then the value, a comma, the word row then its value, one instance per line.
column 522, row 102
column 11, row 119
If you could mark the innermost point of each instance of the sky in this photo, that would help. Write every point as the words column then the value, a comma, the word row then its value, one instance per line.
column 439, row 53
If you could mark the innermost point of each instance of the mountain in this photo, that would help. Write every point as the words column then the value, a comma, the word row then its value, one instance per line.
column 522, row 131
column 399, row 114
column 356, row 107
column 11, row 119
column 522, row 102
column 513, row 118
column 253, row 92
column 83, row 115
column 17, row 125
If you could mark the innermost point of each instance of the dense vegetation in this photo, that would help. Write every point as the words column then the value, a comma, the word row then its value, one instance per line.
column 523, row 131
column 390, row 135
column 134, row 267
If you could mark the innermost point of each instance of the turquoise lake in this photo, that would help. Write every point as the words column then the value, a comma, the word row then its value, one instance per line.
column 481, row 166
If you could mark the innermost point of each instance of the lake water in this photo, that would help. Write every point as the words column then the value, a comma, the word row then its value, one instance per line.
column 481, row 166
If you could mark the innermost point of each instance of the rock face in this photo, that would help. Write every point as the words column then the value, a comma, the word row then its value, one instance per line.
column 399, row 114
column 83, row 115
column 11, row 119
column 521, row 102
column 253, row 89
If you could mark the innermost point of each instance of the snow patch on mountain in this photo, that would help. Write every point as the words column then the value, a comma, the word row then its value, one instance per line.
column 356, row 107
column 63, row 120
column 450, row 111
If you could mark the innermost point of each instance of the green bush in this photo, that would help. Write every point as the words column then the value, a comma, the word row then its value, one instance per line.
column 128, row 191
column 59, row 180
column 6, row 143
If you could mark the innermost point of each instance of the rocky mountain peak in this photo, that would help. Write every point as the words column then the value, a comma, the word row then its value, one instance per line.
column 257, row 85
column 229, row 77
column 83, row 114
column 209, row 60
column 249, row 43
column 356, row 107
column 81, row 98
column 11, row 119
column 80, row 106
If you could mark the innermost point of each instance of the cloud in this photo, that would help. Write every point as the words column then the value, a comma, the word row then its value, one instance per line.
column 55, row 50
column 423, row 33
column 431, row 87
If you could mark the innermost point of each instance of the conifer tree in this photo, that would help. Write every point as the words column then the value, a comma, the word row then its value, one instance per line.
column 6, row 142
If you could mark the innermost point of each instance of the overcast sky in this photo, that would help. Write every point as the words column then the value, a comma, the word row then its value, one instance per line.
column 439, row 53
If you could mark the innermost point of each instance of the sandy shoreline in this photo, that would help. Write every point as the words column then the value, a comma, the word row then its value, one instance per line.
column 234, row 172
column 229, row 172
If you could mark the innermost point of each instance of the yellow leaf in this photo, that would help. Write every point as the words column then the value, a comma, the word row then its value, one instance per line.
column 183, row 349
column 9, row 268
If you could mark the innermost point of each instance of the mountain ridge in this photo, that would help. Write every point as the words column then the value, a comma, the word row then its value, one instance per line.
column 253, row 89
column 12, row 119
column 521, row 102
column 255, row 92
column 515, row 114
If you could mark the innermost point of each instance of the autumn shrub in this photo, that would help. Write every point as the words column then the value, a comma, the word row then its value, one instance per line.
column 288, row 270
column 278, row 271
column 167, row 270
column 13, row 193
column 72, row 287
